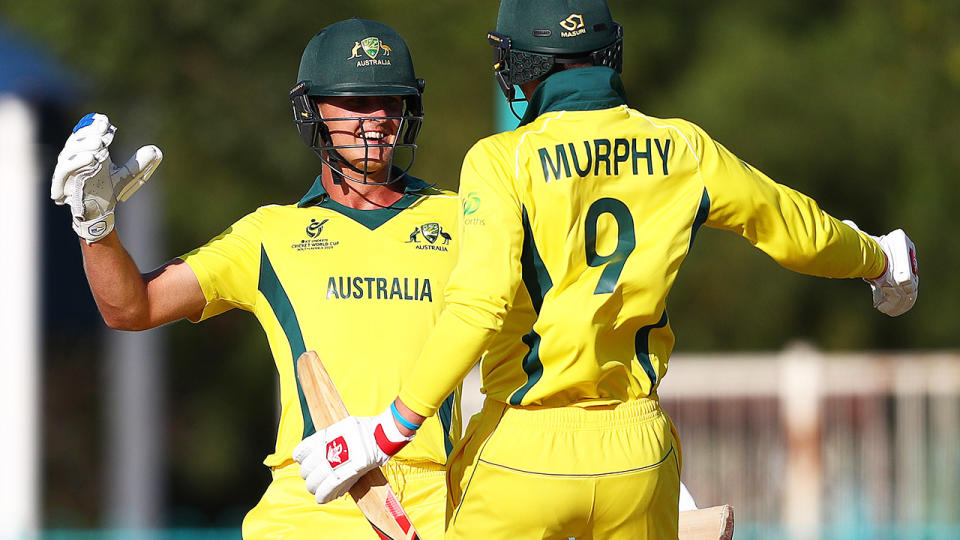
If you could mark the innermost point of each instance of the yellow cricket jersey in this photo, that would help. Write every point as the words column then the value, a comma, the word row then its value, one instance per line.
column 573, row 228
column 363, row 288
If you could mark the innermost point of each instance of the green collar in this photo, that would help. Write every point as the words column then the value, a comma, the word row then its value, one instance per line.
column 413, row 189
column 579, row 89
column 317, row 193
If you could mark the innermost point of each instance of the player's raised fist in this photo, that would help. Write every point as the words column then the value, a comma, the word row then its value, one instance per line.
column 87, row 180
column 895, row 292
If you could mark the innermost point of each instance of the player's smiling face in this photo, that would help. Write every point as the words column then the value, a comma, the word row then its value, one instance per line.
column 366, row 131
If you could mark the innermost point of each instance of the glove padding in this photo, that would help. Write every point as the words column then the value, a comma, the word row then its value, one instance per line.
column 87, row 180
column 332, row 459
column 895, row 292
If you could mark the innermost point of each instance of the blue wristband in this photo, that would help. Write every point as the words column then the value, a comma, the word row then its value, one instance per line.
column 401, row 420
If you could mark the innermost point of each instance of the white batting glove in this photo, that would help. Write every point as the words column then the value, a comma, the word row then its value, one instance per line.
column 332, row 459
column 87, row 180
column 895, row 292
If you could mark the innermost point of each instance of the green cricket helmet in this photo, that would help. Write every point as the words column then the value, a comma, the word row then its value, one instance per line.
column 356, row 57
column 535, row 39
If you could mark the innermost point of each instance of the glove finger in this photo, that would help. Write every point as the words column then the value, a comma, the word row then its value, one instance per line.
column 85, row 121
column 340, row 492
column 136, row 171
column 303, row 449
column 911, row 286
column 96, row 124
column 312, row 462
column 895, row 302
column 332, row 488
column 905, row 303
column 897, row 310
column 107, row 137
column 884, row 298
column 877, row 294
column 93, row 132
column 89, row 119
column 320, row 474
column 885, row 307
column 65, row 169
column 306, row 467
column 82, row 141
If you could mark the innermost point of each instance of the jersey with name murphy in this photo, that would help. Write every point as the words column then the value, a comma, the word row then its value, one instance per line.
column 363, row 288
column 598, row 204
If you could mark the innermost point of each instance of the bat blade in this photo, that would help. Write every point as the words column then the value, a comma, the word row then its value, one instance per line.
column 714, row 523
column 371, row 492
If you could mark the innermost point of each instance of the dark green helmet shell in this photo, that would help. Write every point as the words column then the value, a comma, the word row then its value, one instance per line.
column 535, row 39
column 561, row 27
column 358, row 57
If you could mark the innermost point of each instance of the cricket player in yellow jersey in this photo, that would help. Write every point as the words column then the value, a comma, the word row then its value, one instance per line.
column 573, row 228
column 368, row 249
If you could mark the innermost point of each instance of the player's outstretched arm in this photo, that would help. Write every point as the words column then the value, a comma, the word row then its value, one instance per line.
column 896, row 289
column 86, row 180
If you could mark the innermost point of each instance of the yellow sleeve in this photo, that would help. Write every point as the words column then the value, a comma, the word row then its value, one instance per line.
column 483, row 283
column 227, row 267
column 785, row 224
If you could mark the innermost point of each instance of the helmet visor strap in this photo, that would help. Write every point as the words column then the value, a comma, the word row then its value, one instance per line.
column 513, row 67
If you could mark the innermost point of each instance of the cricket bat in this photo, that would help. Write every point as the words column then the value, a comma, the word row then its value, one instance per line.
column 714, row 523
column 372, row 493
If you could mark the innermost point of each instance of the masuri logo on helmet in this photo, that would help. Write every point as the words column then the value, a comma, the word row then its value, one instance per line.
column 573, row 26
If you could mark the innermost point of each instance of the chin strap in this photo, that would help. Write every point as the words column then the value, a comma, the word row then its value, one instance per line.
column 336, row 162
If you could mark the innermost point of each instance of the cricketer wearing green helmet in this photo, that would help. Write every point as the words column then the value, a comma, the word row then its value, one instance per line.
column 358, row 58
column 536, row 39
column 579, row 221
column 354, row 270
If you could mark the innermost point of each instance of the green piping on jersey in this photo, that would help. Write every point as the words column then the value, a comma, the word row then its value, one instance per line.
column 535, row 275
column 537, row 281
column 642, row 346
column 531, row 366
column 702, row 212
column 269, row 285
column 445, row 413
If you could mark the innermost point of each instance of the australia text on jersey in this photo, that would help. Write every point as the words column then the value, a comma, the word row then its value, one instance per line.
column 603, row 156
column 379, row 288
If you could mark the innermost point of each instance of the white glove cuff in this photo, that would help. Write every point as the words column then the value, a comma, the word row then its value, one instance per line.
column 390, row 429
column 94, row 229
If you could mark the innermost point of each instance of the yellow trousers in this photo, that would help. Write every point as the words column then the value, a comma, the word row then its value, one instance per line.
column 599, row 472
column 288, row 511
